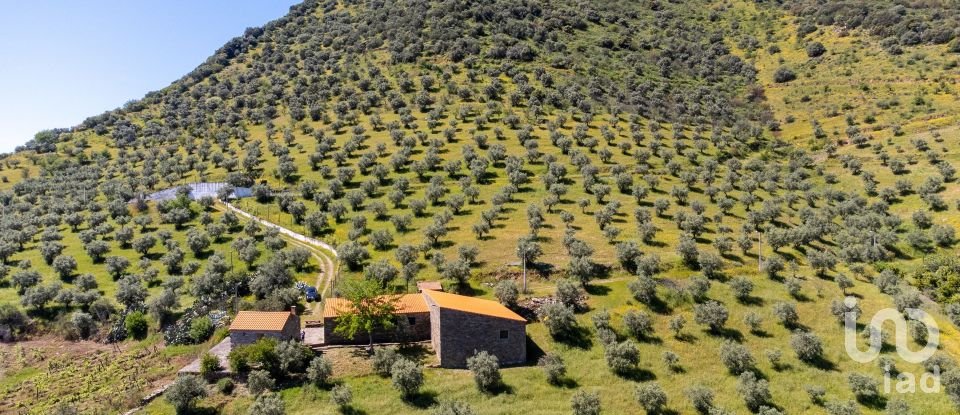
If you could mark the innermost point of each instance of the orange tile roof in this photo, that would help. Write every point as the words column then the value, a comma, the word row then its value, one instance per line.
column 260, row 320
column 406, row 304
column 472, row 305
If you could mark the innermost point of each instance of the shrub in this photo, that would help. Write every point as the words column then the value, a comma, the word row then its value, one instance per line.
column 753, row 321
column 755, row 392
column 341, row 396
column 638, row 324
column 842, row 408
column 585, row 403
column 486, row 370
column 651, row 397
column 453, row 408
column 259, row 381
column 784, row 74
column 787, row 314
column 864, row 388
column 209, row 366
column 225, row 386
column 816, row 393
column 643, row 289
column 293, row 357
column 622, row 357
column 701, row 398
column 815, row 49
column 507, row 293
column 553, row 367
column 184, row 392
column 807, row 346
column 267, row 404
column 672, row 361
column 736, row 357
column 383, row 360
column 201, row 329
column 711, row 314
column 568, row 293
column 136, row 325
column 741, row 287
column 698, row 288
column 559, row 320
column 320, row 371
column 407, row 377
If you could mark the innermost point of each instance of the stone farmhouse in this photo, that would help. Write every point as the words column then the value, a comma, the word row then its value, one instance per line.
column 457, row 326
column 250, row 326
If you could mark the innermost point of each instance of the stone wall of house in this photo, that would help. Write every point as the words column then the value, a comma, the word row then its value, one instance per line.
column 461, row 334
column 403, row 331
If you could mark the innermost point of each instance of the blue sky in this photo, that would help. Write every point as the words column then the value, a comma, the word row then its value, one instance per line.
column 62, row 61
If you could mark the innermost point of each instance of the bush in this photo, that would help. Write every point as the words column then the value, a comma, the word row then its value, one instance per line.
column 259, row 381
column 507, row 293
column 341, row 396
column 407, row 377
column 184, row 392
column 864, row 388
column 711, row 314
column 638, row 324
column 701, row 398
column 698, row 288
column 736, row 357
column 842, row 408
column 486, row 370
column 568, row 293
column 453, row 408
column 320, row 371
column 651, row 397
column 585, row 403
column 201, row 329
column 225, row 386
column 643, row 289
column 293, row 356
column 815, row 49
column 741, row 287
column 755, row 392
column 807, row 346
column 209, row 366
column 136, row 325
column 816, row 393
column 268, row 404
column 784, row 74
column 383, row 360
column 622, row 357
column 787, row 314
column 553, row 367
column 559, row 320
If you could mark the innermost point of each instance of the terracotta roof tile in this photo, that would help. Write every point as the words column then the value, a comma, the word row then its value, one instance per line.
column 472, row 305
column 260, row 320
column 429, row 285
column 406, row 304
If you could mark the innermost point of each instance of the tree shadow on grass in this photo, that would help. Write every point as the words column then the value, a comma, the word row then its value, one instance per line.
column 578, row 337
column 422, row 399
column 637, row 374
column 597, row 289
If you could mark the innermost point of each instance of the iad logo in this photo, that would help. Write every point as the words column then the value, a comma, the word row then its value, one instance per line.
column 906, row 382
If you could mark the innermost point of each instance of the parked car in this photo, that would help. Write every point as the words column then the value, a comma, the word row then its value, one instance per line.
column 312, row 294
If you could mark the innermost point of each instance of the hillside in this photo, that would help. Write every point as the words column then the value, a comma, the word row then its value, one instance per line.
column 670, row 161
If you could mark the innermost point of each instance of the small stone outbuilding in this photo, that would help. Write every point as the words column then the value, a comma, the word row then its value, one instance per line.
column 250, row 326
column 462, row 326
column 412, row 323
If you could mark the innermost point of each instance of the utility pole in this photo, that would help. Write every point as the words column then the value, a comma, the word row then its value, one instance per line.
column 524, row 271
